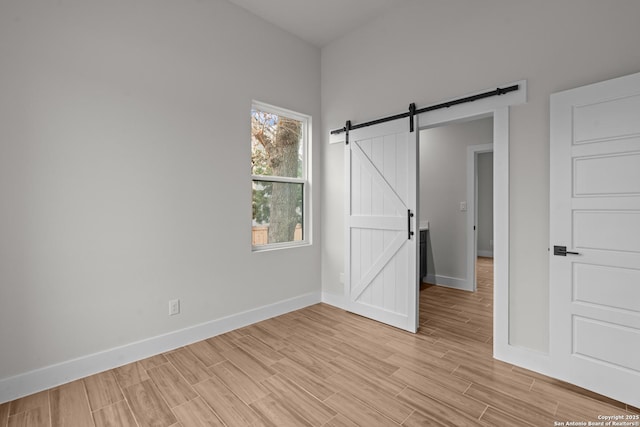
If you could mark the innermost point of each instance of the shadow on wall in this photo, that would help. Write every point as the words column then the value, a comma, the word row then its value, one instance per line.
column 431, row 265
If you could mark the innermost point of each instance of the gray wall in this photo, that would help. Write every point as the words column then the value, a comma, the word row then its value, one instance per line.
column 427, row 52
column 124, row 171
column 443, row 185
column 484, row 242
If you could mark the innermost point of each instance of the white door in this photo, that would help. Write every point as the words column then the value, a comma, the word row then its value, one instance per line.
column 595, row 212
column 381, row 275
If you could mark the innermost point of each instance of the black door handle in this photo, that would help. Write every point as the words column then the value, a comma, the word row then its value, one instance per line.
column 409, row 216
column 562, row 251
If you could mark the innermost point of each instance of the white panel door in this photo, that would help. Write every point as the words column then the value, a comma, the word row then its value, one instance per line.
column 381, row 277
column 595, row 212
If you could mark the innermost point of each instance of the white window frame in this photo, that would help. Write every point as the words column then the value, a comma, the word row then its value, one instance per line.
column 305, row 179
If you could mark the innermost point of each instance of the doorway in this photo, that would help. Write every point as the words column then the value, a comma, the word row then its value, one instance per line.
column 449, row 199
column 480, row 217
column 498, row 109
column 485, row 104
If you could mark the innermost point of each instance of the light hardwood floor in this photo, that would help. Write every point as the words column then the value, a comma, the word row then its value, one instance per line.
column 321, row 366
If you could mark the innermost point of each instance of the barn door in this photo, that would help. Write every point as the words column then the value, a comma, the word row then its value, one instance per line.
column 595, row 237
column 381, row 277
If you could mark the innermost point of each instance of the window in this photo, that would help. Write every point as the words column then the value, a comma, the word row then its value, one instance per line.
column 279, row 174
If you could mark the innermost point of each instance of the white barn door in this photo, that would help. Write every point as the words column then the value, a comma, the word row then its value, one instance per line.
column 381, row 276
column 595, row 229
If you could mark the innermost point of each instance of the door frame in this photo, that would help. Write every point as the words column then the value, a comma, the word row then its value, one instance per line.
column 498, row 107
column 472, row 210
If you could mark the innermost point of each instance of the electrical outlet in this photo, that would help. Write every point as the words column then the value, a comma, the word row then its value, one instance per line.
column 342, row 278
column 174, row 307
column 463, row 206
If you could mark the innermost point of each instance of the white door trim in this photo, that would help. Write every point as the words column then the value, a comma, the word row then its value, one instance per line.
column 497, row 106
column 472, row 210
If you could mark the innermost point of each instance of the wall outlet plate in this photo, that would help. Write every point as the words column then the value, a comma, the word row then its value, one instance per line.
column 174, row 307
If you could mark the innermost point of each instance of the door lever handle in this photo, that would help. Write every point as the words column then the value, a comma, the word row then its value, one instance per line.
column 562, row 251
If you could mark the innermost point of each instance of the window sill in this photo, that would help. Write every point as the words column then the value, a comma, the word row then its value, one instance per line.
column 279, row 246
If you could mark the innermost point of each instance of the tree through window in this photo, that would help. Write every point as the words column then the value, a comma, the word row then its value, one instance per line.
column 279, row 175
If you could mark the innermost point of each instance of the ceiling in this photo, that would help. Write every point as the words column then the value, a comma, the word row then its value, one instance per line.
column 318, row 22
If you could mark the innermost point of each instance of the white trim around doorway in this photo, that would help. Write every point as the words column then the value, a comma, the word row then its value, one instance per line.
column 498, row 107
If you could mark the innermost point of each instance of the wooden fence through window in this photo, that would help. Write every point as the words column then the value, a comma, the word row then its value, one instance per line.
column 260, row 234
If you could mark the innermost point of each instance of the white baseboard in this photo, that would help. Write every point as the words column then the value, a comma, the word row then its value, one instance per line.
column 336, row 300
column 488, row 254
column 526, row 358
column 51, row 376
column 448, row 282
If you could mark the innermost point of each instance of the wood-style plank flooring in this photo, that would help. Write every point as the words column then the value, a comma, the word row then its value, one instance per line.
column 321, row 366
